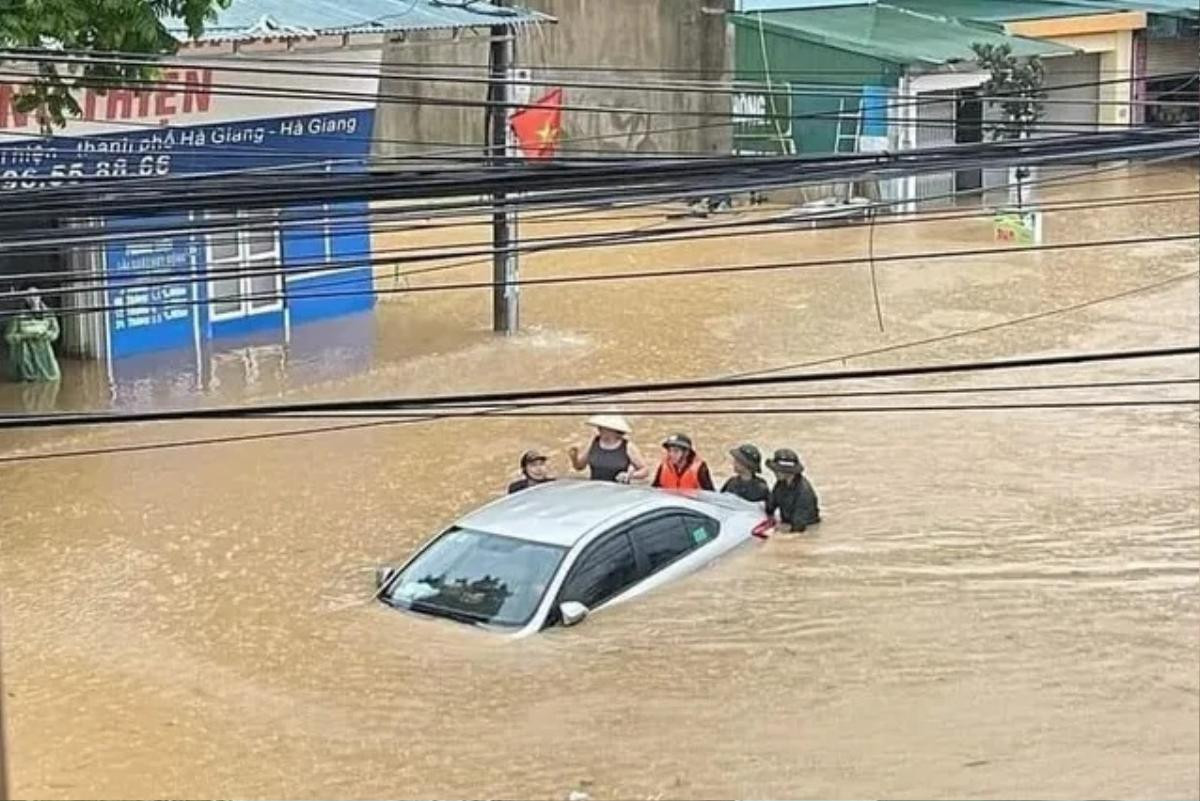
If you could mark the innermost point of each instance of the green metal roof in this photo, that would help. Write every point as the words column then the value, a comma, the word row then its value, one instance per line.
column 253, row 19
column 893, row 34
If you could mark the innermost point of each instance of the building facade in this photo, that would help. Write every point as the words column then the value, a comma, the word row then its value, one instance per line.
column 863, row 75
column 276, row 99
column 868, row 77
column 132, row 285
column 616, row 58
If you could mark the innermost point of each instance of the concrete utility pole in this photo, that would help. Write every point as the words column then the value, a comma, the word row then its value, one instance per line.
column 505, row 300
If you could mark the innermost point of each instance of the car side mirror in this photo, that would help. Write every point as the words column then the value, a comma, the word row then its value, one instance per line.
column 572, row 612
column 383, row 574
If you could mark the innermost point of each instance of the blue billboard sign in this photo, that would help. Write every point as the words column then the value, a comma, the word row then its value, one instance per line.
column 156, row 265
column 150, row 308
column 340, row 139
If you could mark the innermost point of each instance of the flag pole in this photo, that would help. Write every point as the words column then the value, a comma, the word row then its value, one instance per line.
column 505, row 300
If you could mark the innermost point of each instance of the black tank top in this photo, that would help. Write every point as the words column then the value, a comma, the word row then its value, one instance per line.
column 605, row 464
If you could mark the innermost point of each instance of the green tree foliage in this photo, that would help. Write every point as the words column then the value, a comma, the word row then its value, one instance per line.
column 79, row 26
column 1015, row 85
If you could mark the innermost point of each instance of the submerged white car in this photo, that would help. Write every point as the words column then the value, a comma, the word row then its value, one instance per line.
column 554, row 553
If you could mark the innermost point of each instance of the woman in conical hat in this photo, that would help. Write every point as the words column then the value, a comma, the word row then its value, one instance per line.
column 610, row 456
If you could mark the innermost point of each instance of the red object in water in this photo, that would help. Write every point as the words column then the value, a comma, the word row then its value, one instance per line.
column 538, row 127
column 763, row 530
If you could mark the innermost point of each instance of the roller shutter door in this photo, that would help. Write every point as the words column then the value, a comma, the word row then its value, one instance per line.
column 1071, row 85
column 1167, row 56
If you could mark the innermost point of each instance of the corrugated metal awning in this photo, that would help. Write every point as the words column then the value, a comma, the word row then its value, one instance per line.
column 1185, row 9
column 792, row 5
column 999, row 10
column 895, row 35
column 286, row 19
column 1010, row 10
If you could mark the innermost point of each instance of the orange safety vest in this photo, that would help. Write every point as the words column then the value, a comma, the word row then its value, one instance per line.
column 689, row 479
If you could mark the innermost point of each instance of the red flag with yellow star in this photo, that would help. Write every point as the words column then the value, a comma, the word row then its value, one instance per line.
column 538, row 127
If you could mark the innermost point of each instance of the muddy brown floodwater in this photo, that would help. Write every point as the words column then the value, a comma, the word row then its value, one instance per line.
column 999, row 604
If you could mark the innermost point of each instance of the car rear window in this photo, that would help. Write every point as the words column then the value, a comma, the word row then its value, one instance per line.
column 700, row 529
column 669, row 537
column 663, row 540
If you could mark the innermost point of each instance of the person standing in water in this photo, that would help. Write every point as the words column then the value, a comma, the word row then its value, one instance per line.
column 792, row 497
column 610, row 456
column 30, row 336
column 682, row 468
column 746, row 482
column 533, row 472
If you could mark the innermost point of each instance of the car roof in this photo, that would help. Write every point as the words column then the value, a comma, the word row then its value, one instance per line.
column 563, row 512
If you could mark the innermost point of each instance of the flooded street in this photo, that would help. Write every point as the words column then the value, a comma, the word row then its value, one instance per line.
column 999, row 603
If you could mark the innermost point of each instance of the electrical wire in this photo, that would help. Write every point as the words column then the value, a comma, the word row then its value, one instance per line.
column 155, row 228
column 347, row 262
column 1000, row 405
column 258, row 154
column 649, row 406
column 843, row 358
column 973, row 331
column 642, row 403
column 594, row 278
column 705, row 411
column 410, row 419
column 567, row 393
column 564, row 184
column 381, row 73
column 464, row 210
column 383, row 99
column 706, row 73
column 1127, row 134
column 213, row 234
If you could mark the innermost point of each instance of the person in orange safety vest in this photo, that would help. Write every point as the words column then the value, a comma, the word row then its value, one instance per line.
column 682, row 468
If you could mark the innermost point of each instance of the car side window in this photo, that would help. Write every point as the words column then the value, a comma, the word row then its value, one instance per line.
column 662, row 540
column 603, row 570
column 700, row 529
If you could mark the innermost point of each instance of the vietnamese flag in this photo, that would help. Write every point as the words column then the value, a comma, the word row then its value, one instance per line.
column 538, row 127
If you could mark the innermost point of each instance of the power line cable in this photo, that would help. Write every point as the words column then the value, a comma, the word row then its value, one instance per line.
column 562, row 184
column 355, row 262
column 461, row 210
column 381, row 74
column 702, row 411
column 298, row 295
column 212, row 233
column 410, row 419
column 707, row 73
column 973, row 331
column 567, row 393
column 641, row 404
column 384, row 99
column 310, row 431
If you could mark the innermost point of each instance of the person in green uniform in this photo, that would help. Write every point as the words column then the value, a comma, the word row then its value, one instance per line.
column 792, row 497
column 746, row 482
column 30, row 336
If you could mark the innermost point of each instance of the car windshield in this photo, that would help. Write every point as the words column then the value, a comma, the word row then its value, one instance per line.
column 476, row 577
